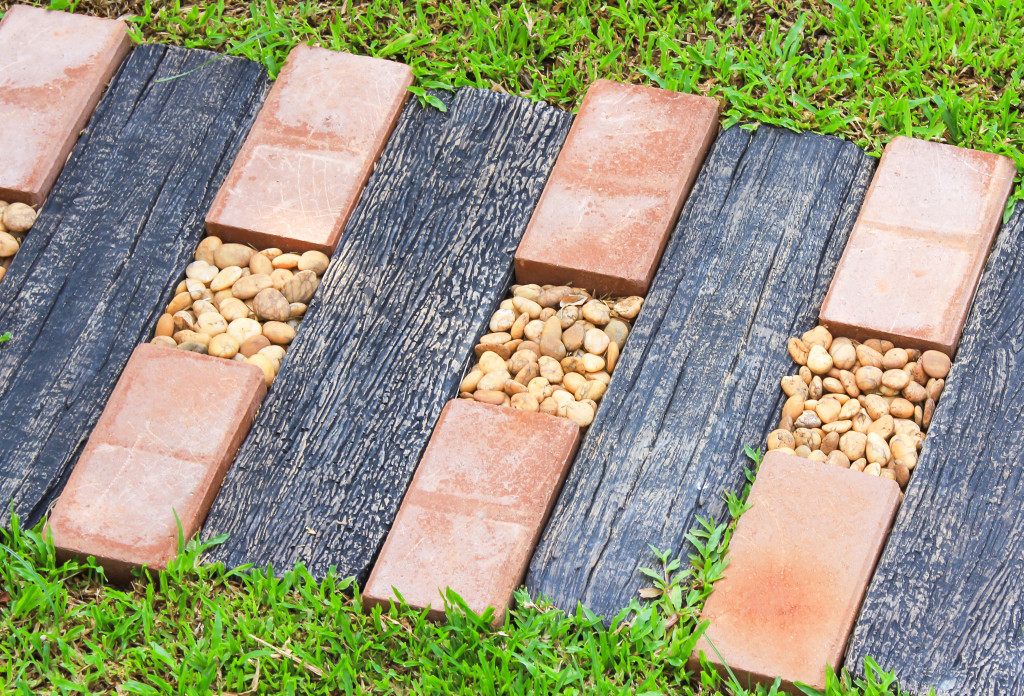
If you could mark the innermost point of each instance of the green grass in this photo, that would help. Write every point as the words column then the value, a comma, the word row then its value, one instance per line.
column 199, row 629
column 860, row 69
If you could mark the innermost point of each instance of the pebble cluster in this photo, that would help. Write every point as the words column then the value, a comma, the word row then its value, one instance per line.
column 864, row 406
column 551, row 349
column 16, row 219
column 241, row 304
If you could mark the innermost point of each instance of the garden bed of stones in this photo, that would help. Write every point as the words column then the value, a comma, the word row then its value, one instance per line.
column 863, row 406
column 550, row 349
column 240, row 303
column 16, row 219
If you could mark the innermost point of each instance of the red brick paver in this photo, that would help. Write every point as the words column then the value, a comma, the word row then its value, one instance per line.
column 916, row 253
column 617, row 188
column 475, row 509
column 300, row 172
column 799, row 564
column 53, row 68
column 162, row 446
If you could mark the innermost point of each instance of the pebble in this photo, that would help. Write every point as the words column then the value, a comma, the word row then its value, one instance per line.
column 865, row 405
column 270, row 305
column 232, row 255
column 561, row 344
column 315, row 261
column 18, row 217
column 300, row 287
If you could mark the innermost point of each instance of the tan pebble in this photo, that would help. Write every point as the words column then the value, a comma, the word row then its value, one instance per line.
column 833, row 385
column 551, row 339
column 193, row 347
column 550, row 369
column 807, row 419
column 895, row 359
column 901, row 408
column 837, row 458
column 780, row 438
column 187, row 336
column 805, row 437
column 573, row 381
column 208, row 246
column 552, row 296
column 259, row 264
column 869, row 378
column 492, row 362
column 270, row 305
column 818, row 456
column 507, row 304
column 875, row 345
column 498, row 348
column 612, row 357
column 803, row 451
column 818, row 360
column 211, row 324
column 888, row 474
column 180, row 302
column 798, row 350
column 513, row 387
column 914, row 392
column 165, row 325
column 241, row 329
column 600, row 376
column 278, row 332
column 818, row 336
column 596, row 312
column 903, row 446
column 567, row 316
column 935, row 364
column 927, row 412
column 869, row 357
column 884, row 427
column 859, row 464
column 502, row 320
column 572, row 338
column 828, row 410
column 165, row 341
column 594, row 389
column 253, row 345
column 525, row 402
column 875, row 405
column 526, row 306
column 917, row 374
column 275, row 353
column 596, row 342
column 805, row 374
column 494, row 380
column 534, row 330
column 794, row 406
column 223, row 346
column 844, row 355
column 862, row 421
column 266, row 365
column 815, row 389
column 226, row 278
column 279, row 277
column 230, row 308
column 786, row 450
column 895, row 379
column 793, row 384
column 521, row 359
column 563, row 397
column 232, row 254
column 628, row 307
column 469, row 382
column 839, row 426
column 549, row 406
column 18, row 217
column 618, row 332
column 530, row 291
column 877, row 450
column 849, row 383
column 579, row 413
column 184, row 321
column 573, row 364
column 519, row 326
column 904, row 426
column 315, row 261
column 538, row 387
column 934, row 389
column 201, row 271
column 248, row 287
column 593, row 363
column 181, row 287
column 194, row 288
column 850, row 409
column 286, row 261
column 853, row 444
column 8, row 244
column 902, row 474
column 271, row 253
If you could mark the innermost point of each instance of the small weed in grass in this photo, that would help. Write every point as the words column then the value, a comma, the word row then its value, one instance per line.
column 198, row 629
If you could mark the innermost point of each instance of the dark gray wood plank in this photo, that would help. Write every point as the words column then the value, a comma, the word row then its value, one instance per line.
column 945, row 607
column 748, row 266
column 420, row 266
column 108, row 247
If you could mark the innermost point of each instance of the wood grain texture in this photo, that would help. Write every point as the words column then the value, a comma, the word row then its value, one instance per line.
column 110, row 243
column 746, row 267
column 945, row 607
column 420, row 266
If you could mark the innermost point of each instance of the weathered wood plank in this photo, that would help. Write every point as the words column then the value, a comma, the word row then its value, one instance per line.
column 747, row 266
column 944, row 609
column 420, row 265
column 106, row 251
